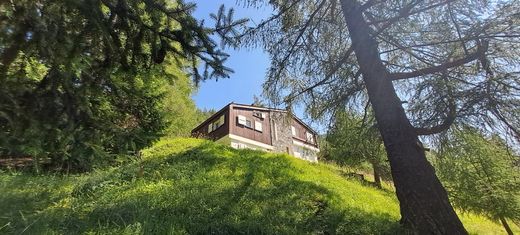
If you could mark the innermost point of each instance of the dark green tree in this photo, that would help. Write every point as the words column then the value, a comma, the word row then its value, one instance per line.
column 81, row 79
column 421, row 65
column 353, row 140
column 479, row 175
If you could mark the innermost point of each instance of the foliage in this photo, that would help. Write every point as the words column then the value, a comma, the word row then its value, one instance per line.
column 195, row 186
column 459, row 56
column 259, row 102
column 352, row 141
column 80, row 80
column 179, row 109
column 420, row 65
column 480, row 175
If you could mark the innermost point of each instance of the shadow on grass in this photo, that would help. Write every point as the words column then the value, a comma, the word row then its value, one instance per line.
column 209, row 189
column 23, row 196
column 361, row 179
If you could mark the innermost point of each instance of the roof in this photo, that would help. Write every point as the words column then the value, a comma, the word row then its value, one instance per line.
column 211, row 117
column 275, row 110
column 255, row 108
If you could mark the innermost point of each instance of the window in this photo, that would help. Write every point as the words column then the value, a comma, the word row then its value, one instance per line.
column 238, row 145
column 293, row 130
column 259, row 115
column 258, row 126
column 297, row 151
column 216, row 124
column 275, row 132
column 242, row 120
column 310, row 137
column 249, row 124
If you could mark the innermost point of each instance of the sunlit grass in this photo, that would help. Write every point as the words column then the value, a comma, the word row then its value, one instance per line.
column 196, row 186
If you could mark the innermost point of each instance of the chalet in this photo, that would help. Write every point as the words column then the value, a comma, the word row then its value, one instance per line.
column 274, row 130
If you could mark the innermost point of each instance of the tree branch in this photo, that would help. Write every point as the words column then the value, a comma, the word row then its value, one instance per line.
column 406, row 12
column 450, row 117
column 438, row 68
column 334, row 69
column 17, row 40
column 300, row 35
column 501, row 117
column 370, row 3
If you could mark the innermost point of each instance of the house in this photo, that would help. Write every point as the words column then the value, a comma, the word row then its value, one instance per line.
column 274, row 130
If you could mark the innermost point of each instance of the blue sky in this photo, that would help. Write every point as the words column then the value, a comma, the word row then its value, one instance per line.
column 249, row 64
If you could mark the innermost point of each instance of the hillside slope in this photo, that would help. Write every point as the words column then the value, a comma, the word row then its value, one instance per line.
column 195, row 186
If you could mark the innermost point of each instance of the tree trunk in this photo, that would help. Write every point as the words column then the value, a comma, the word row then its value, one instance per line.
column 377, row 176
column 506, row 225
column 424, row 204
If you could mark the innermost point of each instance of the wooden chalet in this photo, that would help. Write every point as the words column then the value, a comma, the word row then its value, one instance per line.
column 247, row 126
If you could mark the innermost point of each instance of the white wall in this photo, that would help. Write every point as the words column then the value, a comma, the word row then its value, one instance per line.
column 305, row 153
column 300, row 150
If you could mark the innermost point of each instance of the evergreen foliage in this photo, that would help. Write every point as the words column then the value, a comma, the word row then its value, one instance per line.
column 82, row 80
column 480, row 175
column 353, row 141
column 421, row 66
column 446, row 59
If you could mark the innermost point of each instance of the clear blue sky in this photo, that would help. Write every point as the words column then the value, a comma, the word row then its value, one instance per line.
column 250, row 65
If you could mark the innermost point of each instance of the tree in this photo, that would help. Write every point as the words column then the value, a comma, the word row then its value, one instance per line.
column 180, row 111
column 258, row 102
column 480, row 175
column 352, row 140
column 81, row 78
column 447, row 61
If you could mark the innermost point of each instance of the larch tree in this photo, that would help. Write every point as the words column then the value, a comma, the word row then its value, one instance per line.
column 480, row 175
column 353, row 140
column 421, row 65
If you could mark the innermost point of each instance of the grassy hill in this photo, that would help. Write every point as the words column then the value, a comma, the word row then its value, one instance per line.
column 195, row 186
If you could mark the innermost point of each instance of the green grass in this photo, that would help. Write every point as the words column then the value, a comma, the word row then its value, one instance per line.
column 198, row 187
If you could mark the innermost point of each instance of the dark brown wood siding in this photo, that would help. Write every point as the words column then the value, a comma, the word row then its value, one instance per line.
column 250, row 133
column 301, row 131
column 202, row 130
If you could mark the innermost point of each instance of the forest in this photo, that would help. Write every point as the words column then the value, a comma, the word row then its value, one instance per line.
column 418, row 103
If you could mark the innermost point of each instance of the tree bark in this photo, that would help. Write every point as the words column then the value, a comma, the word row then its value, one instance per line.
column 424, row 204
column 506, row 225
column 377, row 176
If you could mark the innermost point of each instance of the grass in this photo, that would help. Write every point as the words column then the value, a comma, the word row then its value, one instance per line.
column 190, row 186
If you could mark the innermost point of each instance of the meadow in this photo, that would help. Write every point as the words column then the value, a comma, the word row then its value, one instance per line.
column 192, row 186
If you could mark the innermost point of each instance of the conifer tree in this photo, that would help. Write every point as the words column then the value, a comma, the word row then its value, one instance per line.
column 480, row 176
column 80, row 79
column 421, row 65
column 353, row 140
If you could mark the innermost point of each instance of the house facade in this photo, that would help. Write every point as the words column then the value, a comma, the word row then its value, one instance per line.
column 273, row 130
